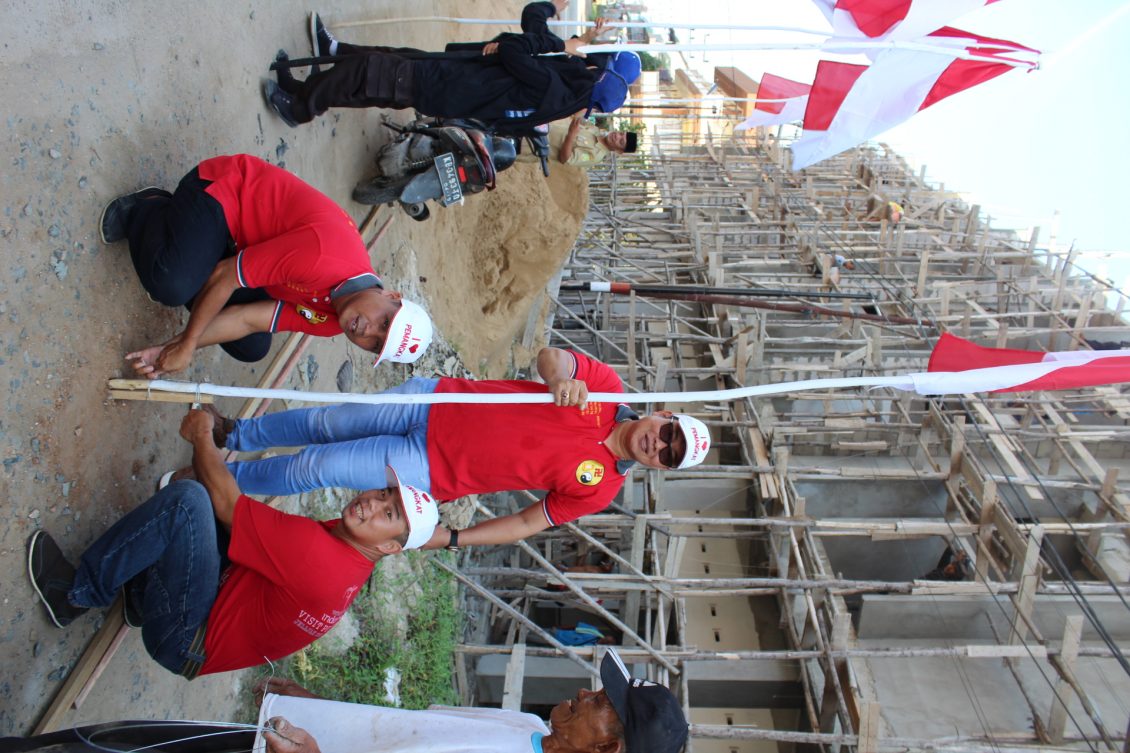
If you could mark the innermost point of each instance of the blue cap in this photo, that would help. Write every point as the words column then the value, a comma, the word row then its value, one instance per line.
column 611, row 89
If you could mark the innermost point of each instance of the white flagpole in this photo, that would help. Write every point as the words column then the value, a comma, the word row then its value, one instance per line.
column 614, row 25
column 216, row 390
column 924, row 383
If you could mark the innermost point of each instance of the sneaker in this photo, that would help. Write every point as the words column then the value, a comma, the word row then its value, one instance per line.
column 178, row 475
column 280, row 102
column 52, row 578
column 112, row 225
column 321, row 41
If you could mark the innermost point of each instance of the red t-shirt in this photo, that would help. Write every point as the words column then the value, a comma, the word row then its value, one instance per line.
column 473, row 449
column 290, row 581
column 294, row 241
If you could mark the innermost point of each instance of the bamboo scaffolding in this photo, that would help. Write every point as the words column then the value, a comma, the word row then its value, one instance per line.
column 718, row 211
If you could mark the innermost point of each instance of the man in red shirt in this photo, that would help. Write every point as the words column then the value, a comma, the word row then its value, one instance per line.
column 580, row 452
column 284, row 582
column 250, row 249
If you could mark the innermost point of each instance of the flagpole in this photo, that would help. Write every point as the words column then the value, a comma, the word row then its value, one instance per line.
column 989, row 379
column 589, row 24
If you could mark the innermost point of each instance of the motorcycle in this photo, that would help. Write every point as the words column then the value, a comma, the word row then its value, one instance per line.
column 434, row 159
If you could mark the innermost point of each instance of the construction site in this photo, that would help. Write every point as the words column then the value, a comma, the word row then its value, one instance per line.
column 865, row 570
column 850, row 569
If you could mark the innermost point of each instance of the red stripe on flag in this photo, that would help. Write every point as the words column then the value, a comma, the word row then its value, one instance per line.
column 961, row 75
column 953, row 353
column 1102, row 371
column 964, row 74
column 832, row 83
column 776, row 87
column 875, row 17
column 980, row 43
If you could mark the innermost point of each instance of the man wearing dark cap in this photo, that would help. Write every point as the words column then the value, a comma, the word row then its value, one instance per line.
column 629, row 715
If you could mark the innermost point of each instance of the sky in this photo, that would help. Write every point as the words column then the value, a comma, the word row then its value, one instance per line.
column 1023, row 145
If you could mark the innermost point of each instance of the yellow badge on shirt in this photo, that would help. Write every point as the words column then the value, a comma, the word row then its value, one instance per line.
column 590, row 473
column 310, row 315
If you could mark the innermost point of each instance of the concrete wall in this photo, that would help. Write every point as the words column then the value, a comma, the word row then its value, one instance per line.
column 925, row 698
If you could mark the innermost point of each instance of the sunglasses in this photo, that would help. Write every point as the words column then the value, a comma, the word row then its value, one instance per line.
column 671, row 455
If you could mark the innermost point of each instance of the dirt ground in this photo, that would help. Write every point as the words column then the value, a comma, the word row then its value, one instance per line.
column 105, row 97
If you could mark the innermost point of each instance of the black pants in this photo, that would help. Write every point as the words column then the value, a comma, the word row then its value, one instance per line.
column 359, row 77
column 176, row 241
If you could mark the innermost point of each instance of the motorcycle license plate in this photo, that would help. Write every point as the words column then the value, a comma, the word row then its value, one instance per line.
column 449, row 179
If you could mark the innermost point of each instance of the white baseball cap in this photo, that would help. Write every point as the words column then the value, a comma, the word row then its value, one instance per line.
column 420, row 510
column 697, row 438
column 409, row 335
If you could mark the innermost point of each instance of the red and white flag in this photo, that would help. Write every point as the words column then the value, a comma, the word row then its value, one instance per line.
column 850, row 104
column 882, row 20
column 779, row 100
column 959, row 366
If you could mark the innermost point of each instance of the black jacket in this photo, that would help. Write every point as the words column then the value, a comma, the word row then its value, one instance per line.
column 512, row 89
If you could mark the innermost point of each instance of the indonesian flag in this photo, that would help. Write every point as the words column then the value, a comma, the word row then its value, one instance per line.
column 959, row 366
column 956, row 367
column 882, row 20
column 775, row 111
column 852, row 103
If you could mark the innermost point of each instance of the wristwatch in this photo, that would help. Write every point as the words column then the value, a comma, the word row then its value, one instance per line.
column 453, row 542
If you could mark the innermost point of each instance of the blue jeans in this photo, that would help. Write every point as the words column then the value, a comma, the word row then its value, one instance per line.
column 349, row 446
column 171, row 541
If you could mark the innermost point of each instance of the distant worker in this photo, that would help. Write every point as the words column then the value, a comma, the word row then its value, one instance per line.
column 951, row 566
column 579, row 142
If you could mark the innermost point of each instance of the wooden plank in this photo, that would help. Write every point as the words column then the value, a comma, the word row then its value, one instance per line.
column 98, row 648
column 869, row 723
column 630, row 615
column 633, row 367
column 100, row 667
column 515, row 674
column 157, row 396
column 1029, row 575
column 1003, row 446
column 1068, row 654
column 985, row 535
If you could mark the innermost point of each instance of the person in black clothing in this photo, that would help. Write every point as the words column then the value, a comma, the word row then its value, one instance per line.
column 502, row 82
column 951, row 566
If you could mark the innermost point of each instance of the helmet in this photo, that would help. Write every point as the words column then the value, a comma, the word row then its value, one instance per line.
column 627, row 64
column 611, row 89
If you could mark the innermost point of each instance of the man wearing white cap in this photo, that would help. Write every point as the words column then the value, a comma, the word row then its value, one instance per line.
column 250, row 249
column 581, row 453
column 212, row 598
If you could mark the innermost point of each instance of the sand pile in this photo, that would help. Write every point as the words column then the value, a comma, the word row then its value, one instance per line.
column 490, row 259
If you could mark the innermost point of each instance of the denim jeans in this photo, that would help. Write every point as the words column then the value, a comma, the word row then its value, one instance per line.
column 170, row 540
column 349, row 446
